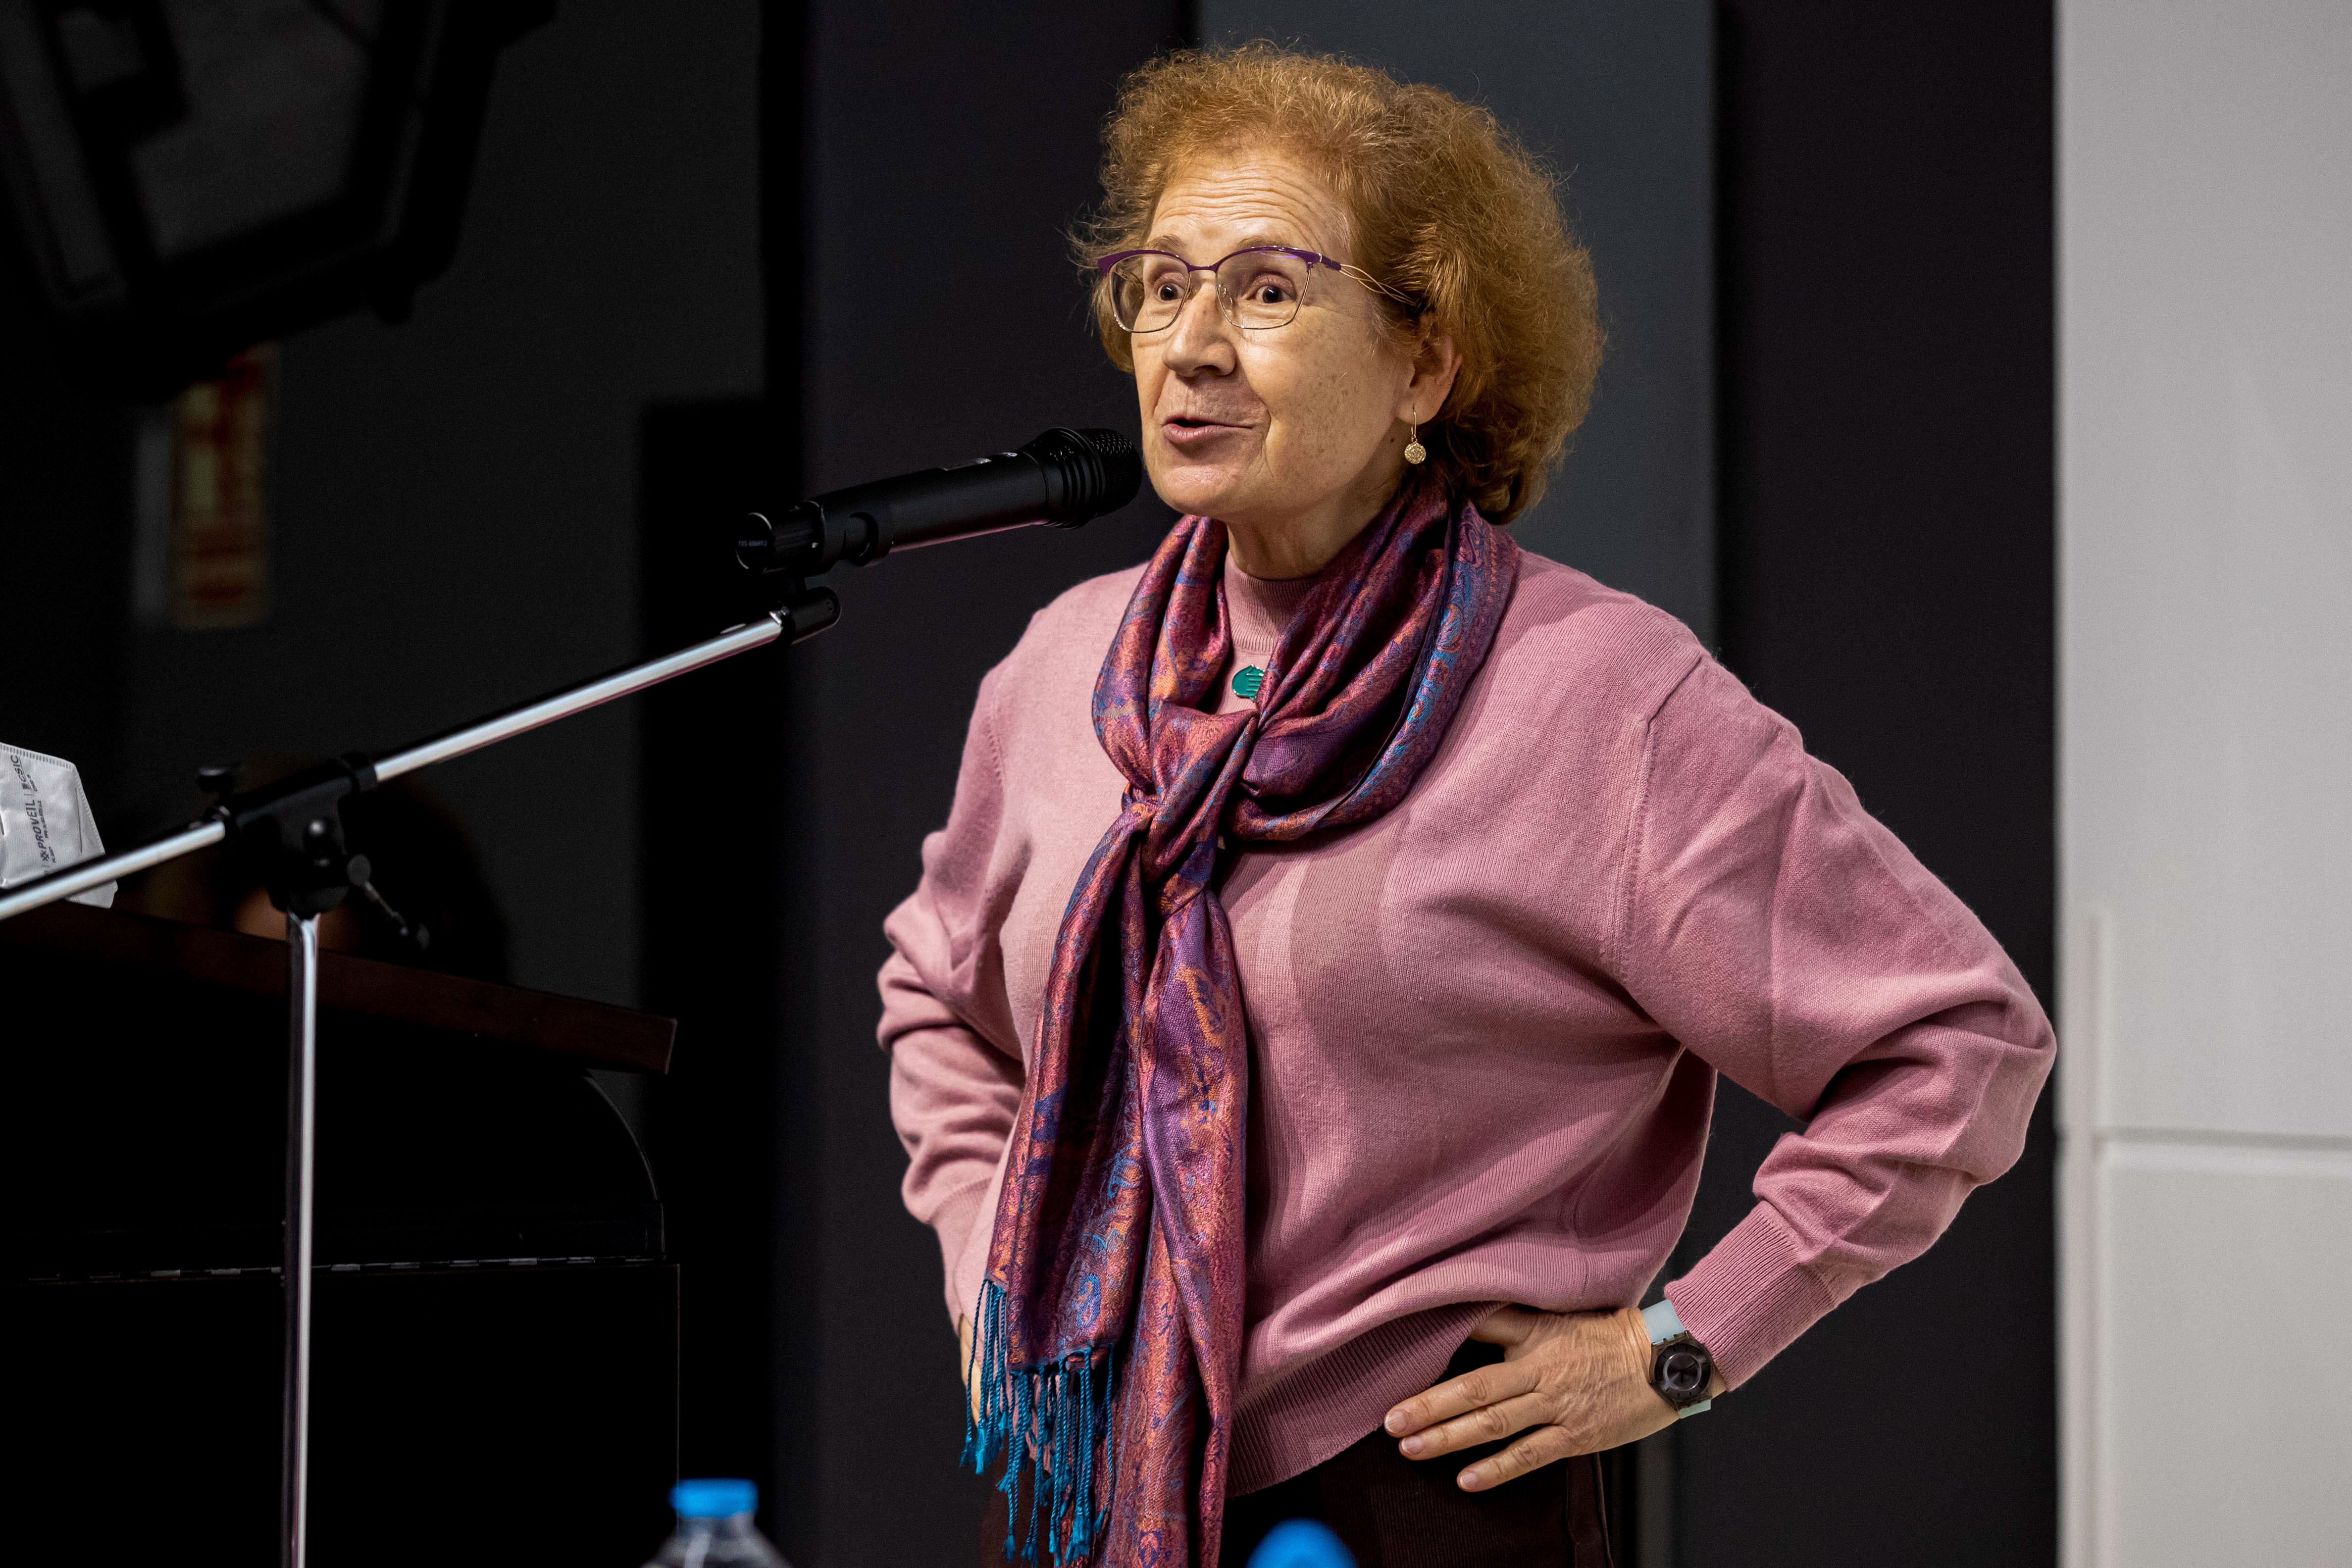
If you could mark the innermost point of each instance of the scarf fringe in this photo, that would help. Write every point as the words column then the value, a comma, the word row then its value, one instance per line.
column 1049, row 1424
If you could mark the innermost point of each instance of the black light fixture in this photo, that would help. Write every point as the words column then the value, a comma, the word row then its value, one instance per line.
column 188, row 179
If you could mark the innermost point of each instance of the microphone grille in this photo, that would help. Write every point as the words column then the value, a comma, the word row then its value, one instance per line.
column 1098, row 471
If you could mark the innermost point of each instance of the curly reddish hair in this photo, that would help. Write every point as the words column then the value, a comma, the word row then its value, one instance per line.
column 1457, row 221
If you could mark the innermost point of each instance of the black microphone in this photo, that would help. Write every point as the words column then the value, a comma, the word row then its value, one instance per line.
column 1063, row 479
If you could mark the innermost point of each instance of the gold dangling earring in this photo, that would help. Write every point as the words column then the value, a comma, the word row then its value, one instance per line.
column 1414, row 452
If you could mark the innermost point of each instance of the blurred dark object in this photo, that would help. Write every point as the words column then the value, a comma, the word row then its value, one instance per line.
column 188, row 180
column 215, row 497
column 479, row 1417
column 433, row 908
column 455, row 1119
column 496, row 1318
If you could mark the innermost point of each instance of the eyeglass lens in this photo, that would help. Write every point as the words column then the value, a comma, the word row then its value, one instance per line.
column 1256, row 289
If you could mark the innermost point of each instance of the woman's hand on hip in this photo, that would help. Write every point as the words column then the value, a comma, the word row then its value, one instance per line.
column 1574, row 1382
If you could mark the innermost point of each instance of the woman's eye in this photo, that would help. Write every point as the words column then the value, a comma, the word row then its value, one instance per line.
column 1271, row 293
column 1166, row 291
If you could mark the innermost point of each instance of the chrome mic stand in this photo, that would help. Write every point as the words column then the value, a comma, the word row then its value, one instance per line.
column 301, row 1144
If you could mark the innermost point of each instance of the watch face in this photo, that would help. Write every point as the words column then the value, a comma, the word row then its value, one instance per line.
column 1682, row 1374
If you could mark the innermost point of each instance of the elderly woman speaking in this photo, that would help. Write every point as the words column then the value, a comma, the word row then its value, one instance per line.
column 1322, row 976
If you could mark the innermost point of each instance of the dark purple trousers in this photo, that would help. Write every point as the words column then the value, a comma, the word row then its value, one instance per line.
column 1395, row 1512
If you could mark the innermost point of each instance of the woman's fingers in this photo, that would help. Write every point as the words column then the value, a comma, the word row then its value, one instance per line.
column 1487, row 1423
column 1458, row 1395
column 964, row 1368
column 1576, row 1383
column 1506, row 1326
column 1534, row 1451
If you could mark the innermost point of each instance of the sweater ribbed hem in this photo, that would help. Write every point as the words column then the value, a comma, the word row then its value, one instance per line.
column 1320, row 1408
column 1749, row 1298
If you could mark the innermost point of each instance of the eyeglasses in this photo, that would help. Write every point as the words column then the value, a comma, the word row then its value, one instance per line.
column 1258, row 287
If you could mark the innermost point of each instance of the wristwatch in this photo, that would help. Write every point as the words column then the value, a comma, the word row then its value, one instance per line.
column 1680, row 1367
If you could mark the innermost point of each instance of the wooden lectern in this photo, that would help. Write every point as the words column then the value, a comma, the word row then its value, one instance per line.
column 495, row 1372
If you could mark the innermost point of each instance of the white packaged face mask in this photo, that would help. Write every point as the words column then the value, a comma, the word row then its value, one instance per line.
column 44, row 820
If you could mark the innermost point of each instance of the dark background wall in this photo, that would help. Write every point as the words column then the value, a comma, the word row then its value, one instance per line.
column 65, row 562
column 1888, row 528
column 451, row 500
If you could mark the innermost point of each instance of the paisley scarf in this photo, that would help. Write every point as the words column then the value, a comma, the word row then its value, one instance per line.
column 1106, row 1342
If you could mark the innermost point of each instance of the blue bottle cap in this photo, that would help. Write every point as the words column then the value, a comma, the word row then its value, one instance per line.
column 1300, row 1544
column 713, row 1499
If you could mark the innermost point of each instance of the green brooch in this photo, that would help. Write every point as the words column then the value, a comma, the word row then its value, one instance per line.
column 1247, row 683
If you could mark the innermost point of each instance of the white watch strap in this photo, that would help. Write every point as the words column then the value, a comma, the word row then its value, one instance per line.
column 1662, row 1322
column 1665, row 1323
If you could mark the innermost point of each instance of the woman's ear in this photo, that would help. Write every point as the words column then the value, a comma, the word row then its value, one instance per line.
column 1435, row 364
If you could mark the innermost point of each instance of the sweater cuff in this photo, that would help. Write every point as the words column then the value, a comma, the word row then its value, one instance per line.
column 1749, row 1298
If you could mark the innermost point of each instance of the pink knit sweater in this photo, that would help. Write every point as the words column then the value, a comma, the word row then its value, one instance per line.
column 1484, row 1028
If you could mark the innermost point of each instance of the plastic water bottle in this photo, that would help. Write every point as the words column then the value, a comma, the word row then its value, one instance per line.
column 1300, row 1544
column 715, row 1529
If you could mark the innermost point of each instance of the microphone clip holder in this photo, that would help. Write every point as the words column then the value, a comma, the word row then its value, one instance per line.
column 799, row 610
column 290, row 833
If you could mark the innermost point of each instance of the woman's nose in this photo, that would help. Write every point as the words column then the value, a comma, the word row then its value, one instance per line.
column 1201, row 339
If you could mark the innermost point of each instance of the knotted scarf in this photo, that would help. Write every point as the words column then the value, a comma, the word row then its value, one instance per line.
column 1106, row 1342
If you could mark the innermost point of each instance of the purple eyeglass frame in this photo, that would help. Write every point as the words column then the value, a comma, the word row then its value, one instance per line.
column 1312, row 259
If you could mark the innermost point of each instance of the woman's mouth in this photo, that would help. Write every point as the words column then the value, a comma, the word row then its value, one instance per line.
column 1188, row 432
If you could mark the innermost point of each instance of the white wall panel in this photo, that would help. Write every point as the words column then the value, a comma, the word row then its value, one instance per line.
column 2205, row 299
column 2223, row 1440
column 2205, row 289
